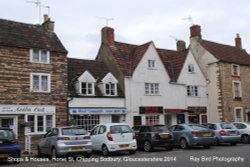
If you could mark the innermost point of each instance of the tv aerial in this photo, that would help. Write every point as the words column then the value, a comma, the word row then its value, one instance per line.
column 107, row 20
column 39, row 5
column 190, row 19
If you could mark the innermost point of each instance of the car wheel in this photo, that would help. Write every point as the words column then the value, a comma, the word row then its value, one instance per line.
column 131, row 152
column 87, row 155
column 54, row 153
column 169, row 148
column 147, row 146
column 183, row 144
column 206, row 146
column 217, row 142
column 245, row 139
column 39, row 154
column 233, row 144
column 105, row 150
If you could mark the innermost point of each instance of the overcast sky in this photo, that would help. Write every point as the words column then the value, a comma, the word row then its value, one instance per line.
column 78, row 23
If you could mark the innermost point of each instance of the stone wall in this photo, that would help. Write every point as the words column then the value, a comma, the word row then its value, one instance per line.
column 228, row 101
column 15, row 70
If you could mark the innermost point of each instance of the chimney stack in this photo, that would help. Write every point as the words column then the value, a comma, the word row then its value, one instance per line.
column 47, row 24
column 108, row 36
column 238, row 43
column 180, row 45
column 195, row 31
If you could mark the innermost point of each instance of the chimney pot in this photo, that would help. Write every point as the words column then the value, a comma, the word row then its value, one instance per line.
column 48, row 24
column 180, row 45
column 195, row 31
column 108, row 36
column 45, row 18
column 238, row 43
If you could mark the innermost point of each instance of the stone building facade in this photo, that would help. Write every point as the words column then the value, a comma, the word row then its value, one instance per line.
column 33, row 80
column 226, row 69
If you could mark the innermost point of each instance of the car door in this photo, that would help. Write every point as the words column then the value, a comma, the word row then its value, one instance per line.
column 137, row 131
column 94, row 137
column 101, row 139
column 178, row 133
column 44, row 143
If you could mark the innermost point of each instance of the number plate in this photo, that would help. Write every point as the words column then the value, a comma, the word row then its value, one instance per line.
column 232, row 133
column 124, row 146
column 207, row 134
column 78, row 148
column 4, row 155
column 164, row 136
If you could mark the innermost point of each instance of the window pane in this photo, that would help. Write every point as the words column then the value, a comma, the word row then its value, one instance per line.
column 31, row 122
column 44, row 83
column 40, row 123
column 44, row 57
column 49, row 122
column 35, row 55
column 35, row 83
column 84, row 88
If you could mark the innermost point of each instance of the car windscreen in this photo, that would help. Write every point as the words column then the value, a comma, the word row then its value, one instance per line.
column 227, row 126
column 120, row 129
column 6, row 135
column 197, row 127
column 160, row 128
column 73, row 131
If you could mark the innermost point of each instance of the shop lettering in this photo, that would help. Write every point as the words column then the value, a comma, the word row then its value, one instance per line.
column 23, row 109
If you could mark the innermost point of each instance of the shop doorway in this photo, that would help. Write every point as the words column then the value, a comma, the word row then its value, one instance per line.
column 115, row 118
column 248, row 117
column 168, row 120
column 180, row 118
column 9, row 122
column 194, row 119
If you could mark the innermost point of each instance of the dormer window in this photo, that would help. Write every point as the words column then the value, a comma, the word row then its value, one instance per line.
column 86, row 84
column 109, row 85
column 235, row 70
column 151, row 64
column 110, row 89
column 87, row 88
column 191, row 68
column 39, row 56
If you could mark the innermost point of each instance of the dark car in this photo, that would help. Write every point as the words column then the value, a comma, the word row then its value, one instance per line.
column 150, row 136
column 188, row 135
column 9, row 146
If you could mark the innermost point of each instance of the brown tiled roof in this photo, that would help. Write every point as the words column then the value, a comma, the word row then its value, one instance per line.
column 127, row 57
column 76, row 67
column 28, row 36
column 173, row 62
column 227, row 53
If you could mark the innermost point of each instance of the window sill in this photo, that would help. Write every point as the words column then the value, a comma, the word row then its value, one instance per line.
column 235, row 76
column 237, row 99
column 40, row 92
column 152, row 68
column 38, row 62
column 151, row 95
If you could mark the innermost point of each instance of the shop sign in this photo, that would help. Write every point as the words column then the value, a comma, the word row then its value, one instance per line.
column 26, row 109
column 151, row 110
column 79, row 111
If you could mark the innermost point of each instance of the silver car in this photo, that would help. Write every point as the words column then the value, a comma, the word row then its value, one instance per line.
column 188, row 135
column 225, row 133
column 244, row 128
column 65, row 141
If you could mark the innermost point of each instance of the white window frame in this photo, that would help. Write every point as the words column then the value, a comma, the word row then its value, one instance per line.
column 88, row 122
column 155, row 119
column 27, row 131
column 152, row 88
column 237, row 70
column 191, row 68
column 40, row 56
column 110, row 90
column 234, row 94
column 241, row 118
column 191, row 91
column 151, row 64
column 40, row 75
column 87, row 88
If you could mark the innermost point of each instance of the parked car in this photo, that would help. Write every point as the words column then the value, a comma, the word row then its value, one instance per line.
column 225, row 133
column 150, row 136
column 188, row 135
column 9, row 146
column 113, row 137
column 244, row 128
column 65, row 141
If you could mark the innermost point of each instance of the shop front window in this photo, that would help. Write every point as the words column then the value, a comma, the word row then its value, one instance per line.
column 88, row 122
column 152, row 119
column 39, row 123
